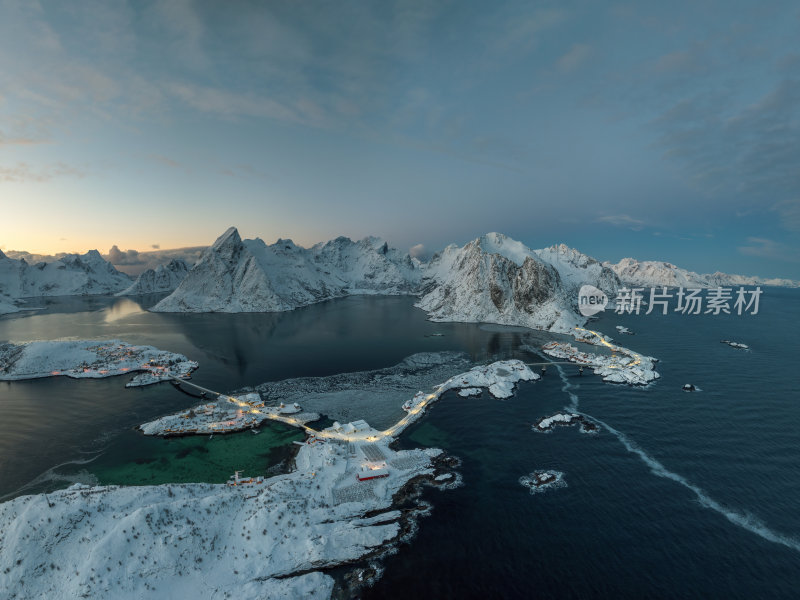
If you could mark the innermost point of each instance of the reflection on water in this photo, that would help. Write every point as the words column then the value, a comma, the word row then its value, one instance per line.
column 121, row 309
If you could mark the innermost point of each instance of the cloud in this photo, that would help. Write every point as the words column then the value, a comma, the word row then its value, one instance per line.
column 34, row 258
column 247, row 171
column 746, row 152
column 418, row 251
column 766, row 248
column 789, row 210
column 155, row 246
column 151, row 259
column 623, row 221
column 165, row 160
column 521, row 33
column 25, row 173
column 7, row 140
column 573, row 59
column 232, row 104
column 117, row 257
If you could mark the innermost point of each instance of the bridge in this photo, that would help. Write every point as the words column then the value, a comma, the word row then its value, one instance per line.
column 401, row 424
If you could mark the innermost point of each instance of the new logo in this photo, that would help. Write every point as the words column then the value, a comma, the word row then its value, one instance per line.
column 591, row 300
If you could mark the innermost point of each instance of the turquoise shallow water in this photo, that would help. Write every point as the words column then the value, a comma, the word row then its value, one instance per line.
column 683, row 495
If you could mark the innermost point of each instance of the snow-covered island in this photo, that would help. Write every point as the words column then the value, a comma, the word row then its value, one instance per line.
column 540, row 481
column 227, row 414
column 546, row 424
column 92, row 359
column 738, row 345
column 621, row 366
column 350, row 499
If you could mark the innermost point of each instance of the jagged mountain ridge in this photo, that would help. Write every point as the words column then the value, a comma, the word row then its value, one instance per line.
column 71, row 275
column 236, row 275
column 492, row 279
column 164, row 278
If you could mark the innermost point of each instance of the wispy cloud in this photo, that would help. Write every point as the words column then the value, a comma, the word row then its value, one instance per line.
column 789, row 211
column 23, row 172
column 7, row 140
column 574, row 58
column 770, row 249
column 166, row 160
column 623, row 221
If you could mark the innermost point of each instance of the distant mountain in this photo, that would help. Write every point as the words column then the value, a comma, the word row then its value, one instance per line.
column 164, row 278
column 236, row 275
column 577, row 269
column 496, row 279
column 70, row 275
column 658, row 274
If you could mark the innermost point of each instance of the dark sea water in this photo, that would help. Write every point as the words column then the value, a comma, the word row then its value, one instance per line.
column 681, row 495
column 48, row 422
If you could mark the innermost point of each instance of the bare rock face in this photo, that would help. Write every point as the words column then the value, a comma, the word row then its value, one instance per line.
column 497, row 280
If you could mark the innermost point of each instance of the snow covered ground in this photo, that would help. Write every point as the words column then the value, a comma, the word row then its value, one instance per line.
column 268, row 540
column 271, row 538
column 90, row 359
column 7, row 305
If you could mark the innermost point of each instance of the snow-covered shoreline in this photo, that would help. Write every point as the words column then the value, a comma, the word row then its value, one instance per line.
column 272, row 537
column 621, row 366
column 91, row 359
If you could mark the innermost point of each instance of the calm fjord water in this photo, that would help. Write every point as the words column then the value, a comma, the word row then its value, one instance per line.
column 692, row 495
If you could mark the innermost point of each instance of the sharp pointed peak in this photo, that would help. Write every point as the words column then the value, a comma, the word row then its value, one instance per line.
column 231, row 235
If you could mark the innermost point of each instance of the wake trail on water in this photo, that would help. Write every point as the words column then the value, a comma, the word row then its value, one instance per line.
column 740, row 519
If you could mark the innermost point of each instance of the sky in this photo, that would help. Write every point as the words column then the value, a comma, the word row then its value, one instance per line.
column 662, row 131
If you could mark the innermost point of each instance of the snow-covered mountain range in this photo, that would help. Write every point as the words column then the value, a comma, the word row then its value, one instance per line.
column 491, row 279
column 657, row 274
column 236, row 275
column 71, row 275
column 164, row 278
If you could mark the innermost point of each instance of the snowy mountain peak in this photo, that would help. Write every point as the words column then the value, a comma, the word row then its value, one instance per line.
column 498, row 280
column 498, row 243
column 230, row 237
column 250, row 276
